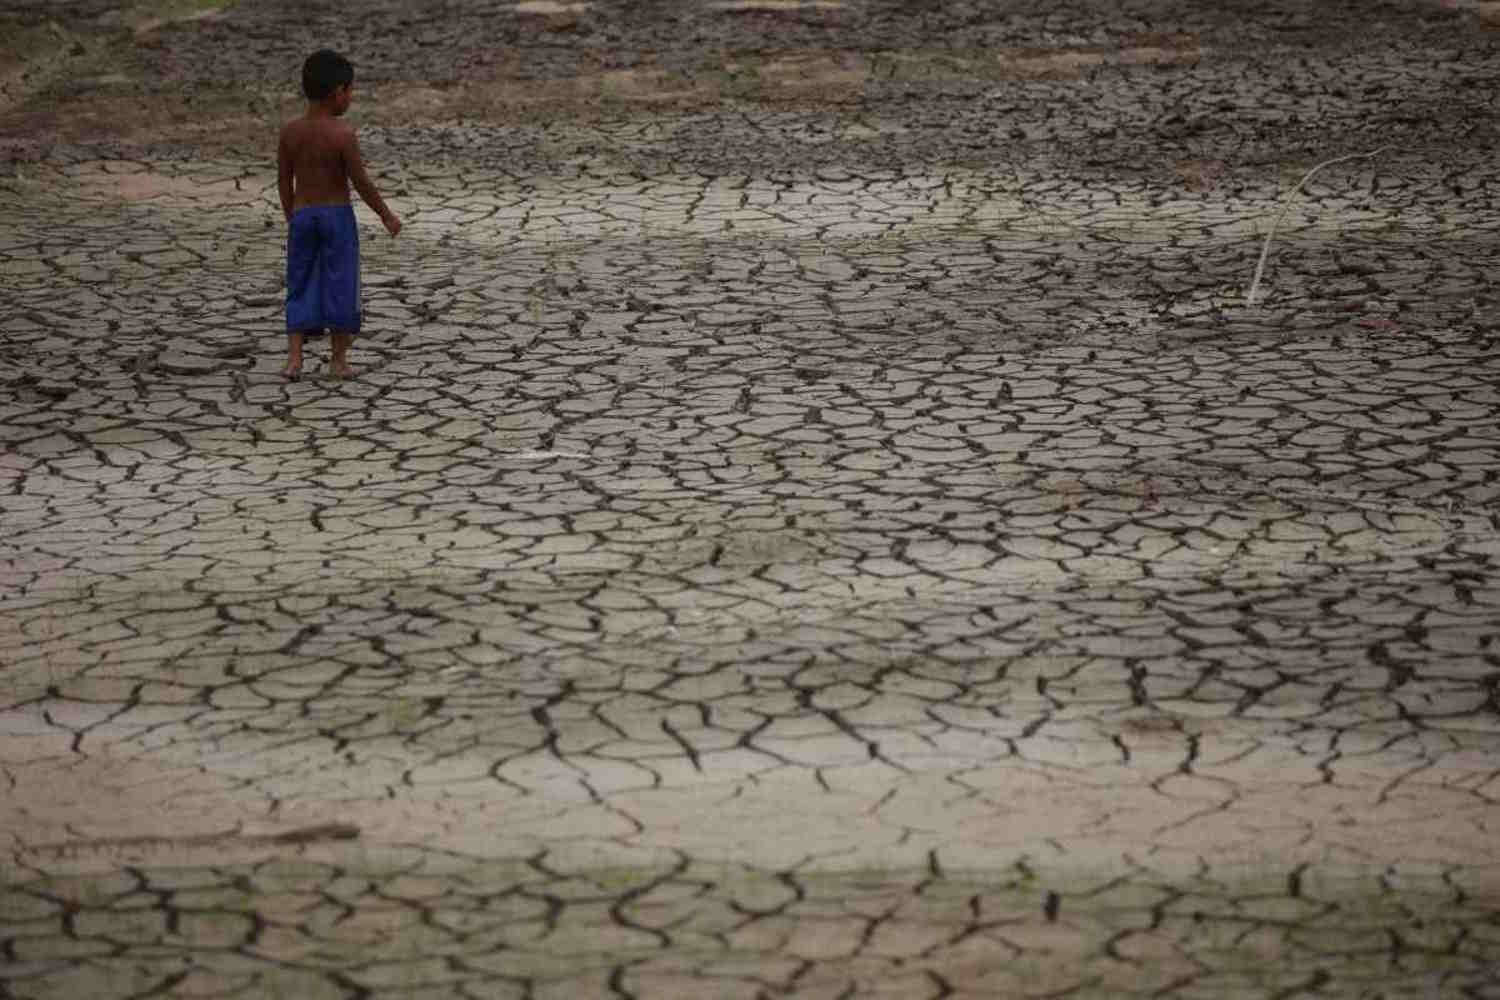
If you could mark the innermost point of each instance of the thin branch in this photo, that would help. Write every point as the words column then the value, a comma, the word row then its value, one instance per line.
column 1286, row 205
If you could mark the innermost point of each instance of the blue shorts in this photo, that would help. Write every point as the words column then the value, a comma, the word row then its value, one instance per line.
column 322, row 270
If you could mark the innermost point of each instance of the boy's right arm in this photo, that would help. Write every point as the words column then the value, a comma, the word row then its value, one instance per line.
column 358, row 176
column 284, row 176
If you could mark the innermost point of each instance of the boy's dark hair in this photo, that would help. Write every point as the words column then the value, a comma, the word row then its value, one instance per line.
column 323, row 72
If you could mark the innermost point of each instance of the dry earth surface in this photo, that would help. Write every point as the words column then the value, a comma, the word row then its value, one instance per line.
column 818, row 516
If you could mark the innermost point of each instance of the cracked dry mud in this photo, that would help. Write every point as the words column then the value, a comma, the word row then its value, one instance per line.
column 817, row 517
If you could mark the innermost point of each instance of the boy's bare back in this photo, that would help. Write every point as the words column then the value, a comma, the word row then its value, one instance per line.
column 313, row 148
column 317, row 159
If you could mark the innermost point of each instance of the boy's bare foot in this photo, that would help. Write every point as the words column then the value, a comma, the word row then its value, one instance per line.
column 339, row 363
column 293, row 369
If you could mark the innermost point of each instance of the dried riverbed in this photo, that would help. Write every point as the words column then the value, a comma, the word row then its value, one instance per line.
column 817, row 517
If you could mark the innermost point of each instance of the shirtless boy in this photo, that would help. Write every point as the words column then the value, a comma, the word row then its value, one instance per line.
column 317, row 159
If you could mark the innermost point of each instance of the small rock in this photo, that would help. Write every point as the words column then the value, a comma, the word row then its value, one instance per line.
column 53, row 390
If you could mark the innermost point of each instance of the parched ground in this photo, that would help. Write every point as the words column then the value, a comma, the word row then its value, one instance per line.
column 819, row 515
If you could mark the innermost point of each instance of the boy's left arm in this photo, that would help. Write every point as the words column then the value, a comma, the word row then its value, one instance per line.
column 354, row 164
column 284, row 177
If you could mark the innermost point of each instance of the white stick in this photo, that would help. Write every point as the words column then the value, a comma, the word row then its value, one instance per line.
column 1286, row 204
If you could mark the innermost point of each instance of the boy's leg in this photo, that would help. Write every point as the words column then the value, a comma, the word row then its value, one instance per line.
column 339, row 363
column 304, row 287
column 342, row 286
column 293, row 355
